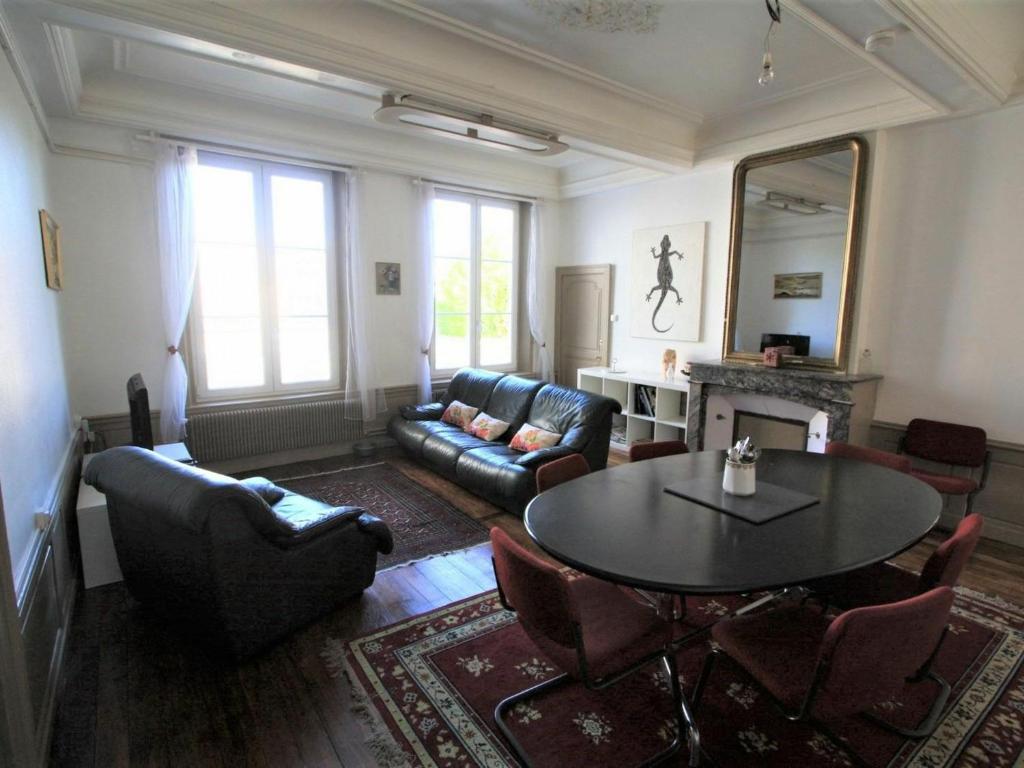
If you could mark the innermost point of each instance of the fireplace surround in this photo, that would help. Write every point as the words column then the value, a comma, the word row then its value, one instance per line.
column 847, row 401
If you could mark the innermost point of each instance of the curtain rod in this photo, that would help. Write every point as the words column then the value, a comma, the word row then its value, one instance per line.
column 214, row 146
column 478, row 190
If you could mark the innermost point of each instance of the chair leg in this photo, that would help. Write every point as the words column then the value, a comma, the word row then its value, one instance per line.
column 702, row 681
column 506, row 704
column 928, row 725
column 684, row 718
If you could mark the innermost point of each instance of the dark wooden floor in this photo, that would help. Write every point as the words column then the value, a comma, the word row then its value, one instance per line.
column 137, row 695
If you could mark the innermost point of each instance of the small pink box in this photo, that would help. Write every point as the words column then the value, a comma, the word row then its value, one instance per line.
column 773, row 355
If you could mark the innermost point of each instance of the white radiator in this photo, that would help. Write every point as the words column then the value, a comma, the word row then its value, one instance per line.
column 222, row 435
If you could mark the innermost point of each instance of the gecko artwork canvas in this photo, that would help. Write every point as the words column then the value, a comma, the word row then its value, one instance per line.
column 667, row 273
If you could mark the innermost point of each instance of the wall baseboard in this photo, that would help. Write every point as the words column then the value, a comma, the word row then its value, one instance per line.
column 1002, row 501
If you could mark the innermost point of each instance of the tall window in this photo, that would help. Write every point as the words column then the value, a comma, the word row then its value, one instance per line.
column 264, row 316
column 476, row 246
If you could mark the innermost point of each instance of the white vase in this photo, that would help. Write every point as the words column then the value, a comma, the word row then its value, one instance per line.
column 740, row 479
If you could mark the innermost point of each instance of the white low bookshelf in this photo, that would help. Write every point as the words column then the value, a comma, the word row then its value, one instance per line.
column 641, row 420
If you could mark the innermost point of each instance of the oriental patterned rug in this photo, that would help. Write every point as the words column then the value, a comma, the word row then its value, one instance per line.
column 422, row 523
column 426, row 689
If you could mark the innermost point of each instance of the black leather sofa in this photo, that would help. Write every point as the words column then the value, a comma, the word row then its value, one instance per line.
column 492, row 469
column 235, row 564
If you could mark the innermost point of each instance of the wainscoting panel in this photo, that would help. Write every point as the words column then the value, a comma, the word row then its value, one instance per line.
column 1002, row 501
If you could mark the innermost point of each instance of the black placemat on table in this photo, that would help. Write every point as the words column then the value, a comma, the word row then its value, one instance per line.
column 768, row 502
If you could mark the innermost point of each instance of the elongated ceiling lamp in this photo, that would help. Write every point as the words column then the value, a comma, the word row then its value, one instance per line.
column 767, row 71
column 792, row 204
column 462, row 125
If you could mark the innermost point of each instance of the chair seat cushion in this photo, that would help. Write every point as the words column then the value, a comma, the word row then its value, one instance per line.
column 873, row 585
column 779, row 648
column 950, row 484
column 617, row 630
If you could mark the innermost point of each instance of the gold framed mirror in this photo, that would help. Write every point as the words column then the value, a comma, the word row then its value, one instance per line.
column 793, row 253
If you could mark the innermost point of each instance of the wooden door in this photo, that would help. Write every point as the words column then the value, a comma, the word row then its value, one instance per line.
column 583, row 297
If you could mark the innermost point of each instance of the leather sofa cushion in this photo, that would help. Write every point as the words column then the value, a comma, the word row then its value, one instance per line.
column 472, row 387
column 570, row 413
column 427, row 412
column 511, row 400
column 442, row 451
column 493, row 472
column 412, row 434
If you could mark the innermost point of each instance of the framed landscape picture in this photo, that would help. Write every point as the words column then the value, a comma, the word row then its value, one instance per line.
column 667, row 276
column 798, row 285
column 53, row 259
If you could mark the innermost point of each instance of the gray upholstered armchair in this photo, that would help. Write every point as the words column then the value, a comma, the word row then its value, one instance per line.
column 238, row 563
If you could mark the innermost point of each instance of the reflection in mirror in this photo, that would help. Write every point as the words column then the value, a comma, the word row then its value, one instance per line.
column 793, row 252
column 794, row 241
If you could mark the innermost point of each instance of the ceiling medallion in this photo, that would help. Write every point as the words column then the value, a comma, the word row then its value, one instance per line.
column 639, row 16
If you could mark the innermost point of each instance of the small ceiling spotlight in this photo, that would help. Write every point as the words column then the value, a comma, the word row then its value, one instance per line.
column 767, row 70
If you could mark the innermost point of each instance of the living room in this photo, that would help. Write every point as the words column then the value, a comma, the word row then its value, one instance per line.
column 431, row 269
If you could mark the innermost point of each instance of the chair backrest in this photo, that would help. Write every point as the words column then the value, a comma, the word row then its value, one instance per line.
column 138, row 410
column 949, row 559
column 871, row 651
column 534, row 589
column 644, row 451
column 561, row 471
column 859, row 453
column 946, row 443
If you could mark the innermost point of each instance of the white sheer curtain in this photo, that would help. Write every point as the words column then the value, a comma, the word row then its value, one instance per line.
column 364, row 399
column 425, row 287
column 174, row 174
column 534, row 288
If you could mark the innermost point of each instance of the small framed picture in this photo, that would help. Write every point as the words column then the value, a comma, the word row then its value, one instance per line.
column 53, row 258
column 389, row 278
column 798, row 285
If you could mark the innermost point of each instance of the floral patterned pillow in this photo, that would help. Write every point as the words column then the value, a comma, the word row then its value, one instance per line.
column 487, row 427
column 459, row 414
column 531, row 438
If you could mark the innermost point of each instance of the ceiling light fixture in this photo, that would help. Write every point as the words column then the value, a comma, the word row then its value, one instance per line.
column 767, row 70
column 790, row 204
column 461, row 125
column 883, row 38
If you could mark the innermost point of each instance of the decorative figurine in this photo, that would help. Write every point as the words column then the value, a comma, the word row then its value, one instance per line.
column 668, row 365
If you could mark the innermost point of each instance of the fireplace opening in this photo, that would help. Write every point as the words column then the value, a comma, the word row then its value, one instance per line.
column 770, row 431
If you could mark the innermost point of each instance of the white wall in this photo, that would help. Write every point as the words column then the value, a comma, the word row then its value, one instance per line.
column 35, row 423
column 785, row 252
column 942, row 299
column 598, row 229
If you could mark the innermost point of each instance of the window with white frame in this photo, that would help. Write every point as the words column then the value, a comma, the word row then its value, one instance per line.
column 476, row 255
column 264, row 312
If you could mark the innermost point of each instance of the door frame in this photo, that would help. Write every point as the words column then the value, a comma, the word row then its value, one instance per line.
column 583, row 269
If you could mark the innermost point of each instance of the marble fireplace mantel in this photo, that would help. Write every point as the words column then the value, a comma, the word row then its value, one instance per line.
column 847, row 399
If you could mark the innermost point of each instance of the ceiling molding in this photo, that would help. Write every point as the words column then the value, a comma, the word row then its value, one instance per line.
column 606, row 181
column 413, row 10
column 65, row 61
column 963, row 51
column 865, row 118
column 259, row 36
column 23, row 76
column 206, row 127
column 855, row 47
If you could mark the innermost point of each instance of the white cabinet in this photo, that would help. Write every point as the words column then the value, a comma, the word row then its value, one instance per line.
column 652, row 408
column 99, row 559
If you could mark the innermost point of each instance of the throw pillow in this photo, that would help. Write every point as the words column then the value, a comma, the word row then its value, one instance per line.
column 487, row 427
column 267, row 491
column 531, row 438
column 459, row 414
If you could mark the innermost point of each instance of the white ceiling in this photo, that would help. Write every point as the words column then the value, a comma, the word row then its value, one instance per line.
column 308, row 76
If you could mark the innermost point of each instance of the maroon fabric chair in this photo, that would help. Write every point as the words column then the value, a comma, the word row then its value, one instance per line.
column 956, row 445
column 884, row 583
column 587, row 627
column 860, row 453
column 561, row 471
column 644, row 451
column 820, row 669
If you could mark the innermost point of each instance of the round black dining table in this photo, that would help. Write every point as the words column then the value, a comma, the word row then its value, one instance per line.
column 621, row 525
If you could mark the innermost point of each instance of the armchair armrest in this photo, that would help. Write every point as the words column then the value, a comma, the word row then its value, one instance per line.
column 307, row 519
column 544, row 455
column 426, row 412
column 377, row 528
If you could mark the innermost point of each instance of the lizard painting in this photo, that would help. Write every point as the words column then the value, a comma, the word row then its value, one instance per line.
column 664, row 280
